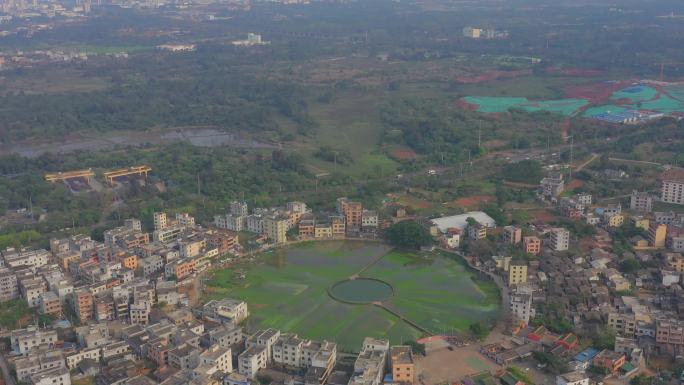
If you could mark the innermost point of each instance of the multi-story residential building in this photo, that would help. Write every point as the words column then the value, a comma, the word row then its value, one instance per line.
column 517, row 273
column 58, row 376
column 672, row 190
column 559, row 239
column 521, row 306
column 477, row 231
column 337, row 225
column 612, row 209
column 614, row 220
column 82, row 303
column 158, row 351
column 139, row 313
column 230, row 222
column 40, row 362
column 130, row 234
column 584, row 199
column 167, row 234
column 609, row 360
column 352, row 212
column 180, row 268
column 512, row 235
column 192, row 246
column 675, row 242
column 667, row 217
column 369, row 220
column 573, row 378
column 625, row 324
column 253, row 359
column 255, row 223
column 402, row 365
column 26, row 340
column 275, row 228
column 640, row 222
column 239, row 208
column 675, row 261
column 322, row 230
column 641, row 201
column 129, row 261
column 185, row 219
column 452, row 238
column 184, row 357
column 226, row 336
column 66, row 257
column 293, row 352
column 532, row 245
column 49, row 303
column 73, row 359
column 552, row 185
column 306, row 228
column 9, row 286
column 152, row 265
column 160, row 220
column 216, row 359
column 227, row 311
column 297, row 207
column 25, row 257
column 369, row 367
column 670, row 335
column 657, row 234
column 266, row 338
column 223, row 240
column 31, row 289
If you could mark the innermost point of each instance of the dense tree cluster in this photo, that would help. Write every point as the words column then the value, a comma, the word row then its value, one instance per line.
column 408, row 235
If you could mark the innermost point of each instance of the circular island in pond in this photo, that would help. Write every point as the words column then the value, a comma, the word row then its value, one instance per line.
column 361, row 291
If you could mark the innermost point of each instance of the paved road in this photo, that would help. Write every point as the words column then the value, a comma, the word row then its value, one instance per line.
column 585, row 164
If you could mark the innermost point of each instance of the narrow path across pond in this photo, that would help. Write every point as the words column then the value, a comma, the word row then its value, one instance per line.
column 368, row 266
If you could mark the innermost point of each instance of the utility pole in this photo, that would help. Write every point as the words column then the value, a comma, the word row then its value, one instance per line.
column 198, row 184
column 572, row 142
column 479, row 136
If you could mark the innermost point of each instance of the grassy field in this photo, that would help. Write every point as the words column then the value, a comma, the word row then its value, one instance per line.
column 287, row 289
column 533, row 87
column 350, row 123
column 15, row 314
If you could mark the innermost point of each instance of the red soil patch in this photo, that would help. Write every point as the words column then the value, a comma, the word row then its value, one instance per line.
column 404, row 154
column 544, row 216
column 474, row 200
column 575, row 183
column 573, row 71
column 461, row 103
column 492, row 75
column 415, row 203
column 594, row 93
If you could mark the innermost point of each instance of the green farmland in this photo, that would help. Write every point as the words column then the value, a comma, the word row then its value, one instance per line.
column 288, row 289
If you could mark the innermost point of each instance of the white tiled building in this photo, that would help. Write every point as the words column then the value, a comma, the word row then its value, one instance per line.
column 672, row 190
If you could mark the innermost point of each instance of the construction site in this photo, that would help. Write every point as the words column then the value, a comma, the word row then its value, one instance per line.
column 84, row 180
column 619, row 102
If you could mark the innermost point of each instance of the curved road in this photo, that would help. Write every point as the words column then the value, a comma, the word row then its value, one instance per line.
column 503, row 289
